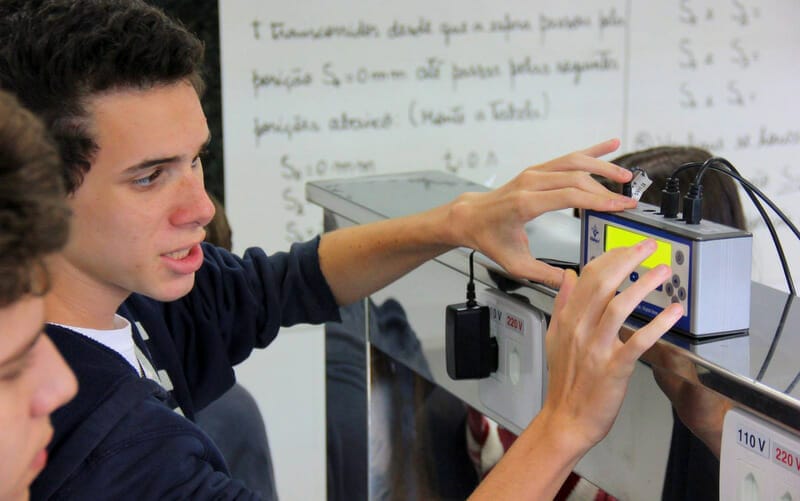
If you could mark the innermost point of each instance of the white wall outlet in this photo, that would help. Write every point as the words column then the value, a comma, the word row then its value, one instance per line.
column 758, row 460
column 516, row 390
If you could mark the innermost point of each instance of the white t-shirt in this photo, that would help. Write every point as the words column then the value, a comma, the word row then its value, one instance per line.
column 119, row 339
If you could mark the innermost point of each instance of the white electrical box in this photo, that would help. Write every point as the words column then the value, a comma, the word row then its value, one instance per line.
column 758, row 460
column 516, row 390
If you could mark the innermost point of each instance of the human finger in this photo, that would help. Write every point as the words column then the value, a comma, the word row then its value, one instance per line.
column 626, row 301
column 563, row 198
column 587, row 160
column 570, row 278
column 581, row 162
column 560, row 304
column 602, row 148
column 601, row 277
column 644, row 338
column 535, row 270
column 553, row 180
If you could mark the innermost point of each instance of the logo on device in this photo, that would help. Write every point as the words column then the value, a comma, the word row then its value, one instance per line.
column 595, row 234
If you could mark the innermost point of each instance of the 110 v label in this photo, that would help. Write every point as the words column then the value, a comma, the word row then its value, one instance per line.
column 763, row 446
column 753, row 440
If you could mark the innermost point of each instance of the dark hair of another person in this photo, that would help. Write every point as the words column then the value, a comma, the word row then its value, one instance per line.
column 721, row 202
column 55, row 55
column 218, row 231
column 33, row 211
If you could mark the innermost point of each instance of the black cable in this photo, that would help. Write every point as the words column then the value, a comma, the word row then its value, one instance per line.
column 705, row 165
column 776, row 240
column 708, row 163
column 683, row 167
column 794, row 382
column 471, row 303
column 773, row 233
column 749, row 188
column 736, row 175
column 751, row 191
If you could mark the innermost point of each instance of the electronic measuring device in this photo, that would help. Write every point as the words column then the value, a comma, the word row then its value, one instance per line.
column 710, row 265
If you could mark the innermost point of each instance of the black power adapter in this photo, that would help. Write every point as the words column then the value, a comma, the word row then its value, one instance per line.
column 471, row 351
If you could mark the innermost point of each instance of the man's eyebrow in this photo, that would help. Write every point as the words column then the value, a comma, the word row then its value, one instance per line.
column 146, row 164
column 22, row 351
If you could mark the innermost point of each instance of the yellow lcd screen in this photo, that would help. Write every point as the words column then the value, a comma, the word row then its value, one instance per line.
column 620, row 237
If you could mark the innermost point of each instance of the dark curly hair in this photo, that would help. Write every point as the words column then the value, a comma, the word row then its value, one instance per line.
column 55, row 55
column 33, row 210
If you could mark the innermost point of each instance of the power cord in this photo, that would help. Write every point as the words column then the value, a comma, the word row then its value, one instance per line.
column 751, row 191
column 471, row 303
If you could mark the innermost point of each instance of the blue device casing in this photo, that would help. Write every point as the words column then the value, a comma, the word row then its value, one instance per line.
column 710, row 264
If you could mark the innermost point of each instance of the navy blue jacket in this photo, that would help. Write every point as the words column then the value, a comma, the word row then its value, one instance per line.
column 123, row 437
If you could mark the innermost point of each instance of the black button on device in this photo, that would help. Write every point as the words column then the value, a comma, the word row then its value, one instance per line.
column 669, row 289
column 679, row 257
column 634, row 276
column 682, row 293
column 676, row 281
column 675, row 299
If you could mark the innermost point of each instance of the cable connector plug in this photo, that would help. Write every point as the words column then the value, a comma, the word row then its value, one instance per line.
column 693, row 204
column 671, row 198
column 627, row 188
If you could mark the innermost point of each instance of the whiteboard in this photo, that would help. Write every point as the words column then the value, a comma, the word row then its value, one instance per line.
column 316, row 90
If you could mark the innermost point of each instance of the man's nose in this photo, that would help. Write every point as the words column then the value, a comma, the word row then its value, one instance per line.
column 195, row 208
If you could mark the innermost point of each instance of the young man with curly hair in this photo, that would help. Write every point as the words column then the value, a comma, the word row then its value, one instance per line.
column 34, row 379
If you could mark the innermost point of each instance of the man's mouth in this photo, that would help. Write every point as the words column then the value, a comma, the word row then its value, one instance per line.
column 179, row 254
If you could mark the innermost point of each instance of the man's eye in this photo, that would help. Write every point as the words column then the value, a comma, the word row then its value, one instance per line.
column 11, row 375
column 196, row 161
column 147, row 180
column 15, row 372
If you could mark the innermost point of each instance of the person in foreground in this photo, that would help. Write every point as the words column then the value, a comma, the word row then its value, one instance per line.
column 152, row 320
column 34, row 379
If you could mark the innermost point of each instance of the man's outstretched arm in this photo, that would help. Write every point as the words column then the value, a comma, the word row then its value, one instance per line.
column 360, row 260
